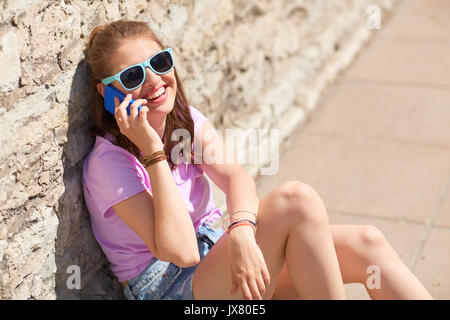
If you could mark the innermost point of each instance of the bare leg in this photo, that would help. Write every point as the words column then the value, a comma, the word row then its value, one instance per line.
column 293, row 228
column 357, row 248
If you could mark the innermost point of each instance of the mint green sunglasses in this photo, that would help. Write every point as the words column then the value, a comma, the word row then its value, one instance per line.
column 133, row 77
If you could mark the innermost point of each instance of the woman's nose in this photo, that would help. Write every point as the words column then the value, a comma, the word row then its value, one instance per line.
column 151, row 77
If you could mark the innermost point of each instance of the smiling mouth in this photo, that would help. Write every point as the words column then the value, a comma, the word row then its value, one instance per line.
column 157, row 97
column 157, row 94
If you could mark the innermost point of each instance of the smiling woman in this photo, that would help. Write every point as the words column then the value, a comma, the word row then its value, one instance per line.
column 127, row 56
column 118, row 46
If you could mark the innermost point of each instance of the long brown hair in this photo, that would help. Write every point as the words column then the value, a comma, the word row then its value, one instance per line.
column 102, row 43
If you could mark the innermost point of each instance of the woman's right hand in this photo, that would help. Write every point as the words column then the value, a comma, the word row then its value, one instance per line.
column 249, row 270
column 135, row 128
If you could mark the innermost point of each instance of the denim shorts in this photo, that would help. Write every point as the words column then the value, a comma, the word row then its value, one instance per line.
column 162, row 280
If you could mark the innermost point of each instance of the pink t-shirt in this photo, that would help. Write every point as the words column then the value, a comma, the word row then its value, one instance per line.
column 112, row 174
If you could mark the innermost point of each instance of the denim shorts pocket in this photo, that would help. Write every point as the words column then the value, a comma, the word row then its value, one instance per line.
column 213, row 234
column 161, row 282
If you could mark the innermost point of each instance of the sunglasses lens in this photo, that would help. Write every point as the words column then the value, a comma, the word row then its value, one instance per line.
column 162, row 62
column 132, row 77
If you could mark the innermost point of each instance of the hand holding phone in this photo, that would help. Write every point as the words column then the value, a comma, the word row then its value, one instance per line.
column 138, row 131
column 110, row 93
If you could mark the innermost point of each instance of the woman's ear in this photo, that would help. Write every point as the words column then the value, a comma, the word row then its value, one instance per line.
column 101, row 89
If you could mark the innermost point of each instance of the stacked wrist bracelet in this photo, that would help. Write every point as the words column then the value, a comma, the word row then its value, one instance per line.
column 247, row 211
column 154, row 157
column 241, row 222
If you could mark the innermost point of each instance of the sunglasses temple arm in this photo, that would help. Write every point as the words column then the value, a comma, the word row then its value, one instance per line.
column 108, row 80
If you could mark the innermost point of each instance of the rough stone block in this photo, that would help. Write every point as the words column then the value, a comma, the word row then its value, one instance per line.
column 9, row 62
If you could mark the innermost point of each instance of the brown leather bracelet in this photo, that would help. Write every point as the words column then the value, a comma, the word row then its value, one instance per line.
column 154, row 157
column 160, row 158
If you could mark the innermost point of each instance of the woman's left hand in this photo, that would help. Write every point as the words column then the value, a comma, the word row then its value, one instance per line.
column 248, row 267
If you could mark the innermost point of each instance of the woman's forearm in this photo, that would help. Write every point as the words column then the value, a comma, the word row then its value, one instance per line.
column 174, row 233
column 241, row 195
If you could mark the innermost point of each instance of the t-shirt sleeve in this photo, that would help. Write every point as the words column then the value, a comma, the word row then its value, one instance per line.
column 198, row 118
column 111, row 178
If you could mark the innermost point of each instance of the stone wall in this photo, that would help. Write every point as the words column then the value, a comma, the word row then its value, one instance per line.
column 244, row 63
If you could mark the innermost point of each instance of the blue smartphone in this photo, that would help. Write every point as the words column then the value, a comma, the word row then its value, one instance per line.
column 110, row 93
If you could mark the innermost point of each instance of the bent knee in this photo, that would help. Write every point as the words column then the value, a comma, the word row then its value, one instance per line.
column 373, row 247
column 296, row 191
column 371, row 236
column 298, row 200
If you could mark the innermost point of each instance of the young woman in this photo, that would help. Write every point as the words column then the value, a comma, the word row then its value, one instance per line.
column 158, row 236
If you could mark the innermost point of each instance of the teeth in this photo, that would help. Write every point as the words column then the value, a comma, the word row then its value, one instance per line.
column 158, row 93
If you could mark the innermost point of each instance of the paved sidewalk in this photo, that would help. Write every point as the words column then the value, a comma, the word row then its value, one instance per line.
column 377, row 147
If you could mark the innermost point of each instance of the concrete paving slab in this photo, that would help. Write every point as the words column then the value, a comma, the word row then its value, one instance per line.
column 404, row 61
column 356, row 291
column 369, row 109
column 364, row 176
column 443, row 216
column 424, row 19
column 433, row 265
